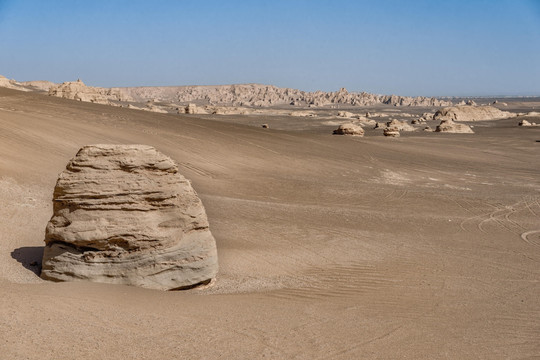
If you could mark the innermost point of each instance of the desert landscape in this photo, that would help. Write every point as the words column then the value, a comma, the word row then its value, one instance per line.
column 276, row 179
column 420, row 246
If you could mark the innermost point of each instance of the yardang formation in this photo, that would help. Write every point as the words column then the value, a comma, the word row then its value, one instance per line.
column 124, row 215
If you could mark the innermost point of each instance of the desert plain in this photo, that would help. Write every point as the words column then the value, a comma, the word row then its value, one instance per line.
column 425, row 246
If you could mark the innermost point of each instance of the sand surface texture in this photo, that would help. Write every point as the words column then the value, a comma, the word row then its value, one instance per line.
column 425, row 246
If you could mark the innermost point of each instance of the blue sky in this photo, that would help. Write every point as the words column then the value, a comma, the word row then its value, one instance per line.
column 453, row 48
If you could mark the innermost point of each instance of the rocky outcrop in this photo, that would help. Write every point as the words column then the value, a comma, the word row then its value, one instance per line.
column 450, row 126
column 391, row 132
column 345, row 114
column 38, row 85
column 349, row 129
column 400, row 125
column 422, row 119
column 11, row 84
column 124, row 215
column 527, row 123
column 268, row 95
column 471, row 113
column 77, row 90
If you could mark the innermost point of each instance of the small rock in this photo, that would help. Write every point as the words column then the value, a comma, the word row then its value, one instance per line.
column 349, row 129
column 391, row 132
column 450, row 126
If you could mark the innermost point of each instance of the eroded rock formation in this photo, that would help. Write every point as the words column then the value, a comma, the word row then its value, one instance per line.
column 77, row 90
column 450, row 126
column 349, row 129
column 124, row 215
column 267, row 95
column 471, row 113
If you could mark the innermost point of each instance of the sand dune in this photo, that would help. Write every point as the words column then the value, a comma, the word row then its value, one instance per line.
column 331, row 247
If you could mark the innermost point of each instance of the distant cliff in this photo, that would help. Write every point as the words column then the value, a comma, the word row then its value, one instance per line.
column 255, row 95
column 269, row 95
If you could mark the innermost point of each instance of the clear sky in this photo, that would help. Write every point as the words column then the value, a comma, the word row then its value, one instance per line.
column 430, row 47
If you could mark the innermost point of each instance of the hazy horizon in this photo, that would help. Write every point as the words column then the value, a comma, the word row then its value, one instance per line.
column 416, row 48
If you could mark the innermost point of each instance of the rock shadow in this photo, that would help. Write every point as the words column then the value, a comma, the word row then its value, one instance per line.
column 30, row 257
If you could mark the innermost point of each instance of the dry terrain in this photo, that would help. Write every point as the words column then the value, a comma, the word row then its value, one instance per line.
column 425, row 246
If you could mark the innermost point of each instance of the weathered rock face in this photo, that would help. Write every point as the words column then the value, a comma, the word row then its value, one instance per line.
column 77, row 90
column 124, row 215
column 450, row 126
column 268, row 95
column 349, row 129
column 471, row 113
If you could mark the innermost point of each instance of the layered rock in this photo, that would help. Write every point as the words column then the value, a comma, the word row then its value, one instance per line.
column 450, row 126
column 268, row 95
column 349, row 129
column 391, row 131
column 77, row 90
column 124, row 215
column 471, row 113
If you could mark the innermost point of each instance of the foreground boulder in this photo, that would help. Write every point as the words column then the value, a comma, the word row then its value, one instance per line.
column 124, row 215
column 471, row 113
column 349, row 129
column 450, row 126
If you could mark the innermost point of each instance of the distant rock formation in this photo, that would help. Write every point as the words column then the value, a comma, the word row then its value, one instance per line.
column 124, row 215
column 527, row 123
column 77, row 90
column 345, row 114
column 268, row 95
column 251, row 95
column 349, row 129
column 12, row 84
column 38, row 85
column 450, row 126
column 471, row 113
column 400, row 125
column 391, row 131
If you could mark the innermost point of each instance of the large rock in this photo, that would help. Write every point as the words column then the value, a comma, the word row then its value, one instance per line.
column 471, row 113
column 450, row 126
column 124, row 215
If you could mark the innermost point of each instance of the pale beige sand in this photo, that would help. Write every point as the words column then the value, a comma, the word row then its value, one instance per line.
column 331, row 247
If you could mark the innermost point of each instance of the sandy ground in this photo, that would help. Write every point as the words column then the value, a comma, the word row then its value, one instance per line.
column 330, row 247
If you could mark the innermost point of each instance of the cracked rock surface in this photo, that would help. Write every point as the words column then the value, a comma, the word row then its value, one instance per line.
column 124, row 215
